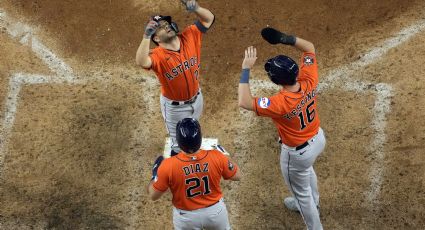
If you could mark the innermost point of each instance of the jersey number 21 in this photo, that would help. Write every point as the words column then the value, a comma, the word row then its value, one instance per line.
column 195, row 183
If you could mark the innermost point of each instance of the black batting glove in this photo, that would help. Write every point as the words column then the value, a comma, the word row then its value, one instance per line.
column 274, row 36
column 155, row 167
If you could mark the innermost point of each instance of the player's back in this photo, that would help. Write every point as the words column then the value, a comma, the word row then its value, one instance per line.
column 194, row 179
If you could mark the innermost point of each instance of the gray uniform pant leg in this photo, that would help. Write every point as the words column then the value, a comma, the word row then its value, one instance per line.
column 174, row 113
column 214, row 217
column 299, row 175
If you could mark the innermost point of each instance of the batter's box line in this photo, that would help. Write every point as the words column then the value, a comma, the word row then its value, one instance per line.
column 24, row 34
column 16, row 82
column 380, row 110
column 64, row 74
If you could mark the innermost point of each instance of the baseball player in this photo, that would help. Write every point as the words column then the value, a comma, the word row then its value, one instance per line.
column 176, row 63
column 293, row 111
column 193, row 177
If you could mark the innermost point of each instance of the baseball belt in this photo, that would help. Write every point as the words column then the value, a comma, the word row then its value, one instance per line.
column 190, row 101
column 299, row 147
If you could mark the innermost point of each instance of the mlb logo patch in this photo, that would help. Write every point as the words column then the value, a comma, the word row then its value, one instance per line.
column 308, row 60
column 263, row 102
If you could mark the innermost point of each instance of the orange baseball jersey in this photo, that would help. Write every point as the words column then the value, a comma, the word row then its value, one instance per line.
column 295, row 114
column 194, row 179
column 178, row 71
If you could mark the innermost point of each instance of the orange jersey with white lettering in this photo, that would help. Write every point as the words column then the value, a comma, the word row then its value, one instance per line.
column 295, row 114
column 178, row 71
column 194, row 179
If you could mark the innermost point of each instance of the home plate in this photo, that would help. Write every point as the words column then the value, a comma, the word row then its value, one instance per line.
column 207, row 144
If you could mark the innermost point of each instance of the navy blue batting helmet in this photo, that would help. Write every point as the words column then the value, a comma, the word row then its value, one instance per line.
column 282, row 70
column 173, row 25
column 188, row 135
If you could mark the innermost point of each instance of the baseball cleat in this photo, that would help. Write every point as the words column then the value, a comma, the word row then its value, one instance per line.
column 291, row 203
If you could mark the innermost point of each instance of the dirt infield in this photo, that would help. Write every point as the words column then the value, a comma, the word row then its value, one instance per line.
column 77, row 145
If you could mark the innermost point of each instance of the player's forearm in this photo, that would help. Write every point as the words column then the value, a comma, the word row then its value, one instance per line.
column 205, row 16
column 237, row 176
column 153, row 194
column 244, row 92
column 245, row 97
column 304, row 45
column 142, row 54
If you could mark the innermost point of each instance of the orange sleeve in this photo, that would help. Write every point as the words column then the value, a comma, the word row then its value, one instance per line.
column 155, row 58
column 229, row 167
column 267, row 107
column 161, row 184
column 194, row 33
column 309, row 69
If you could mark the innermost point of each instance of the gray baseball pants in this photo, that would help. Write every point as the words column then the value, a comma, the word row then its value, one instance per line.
column 214, row 217
column 174, row 113
column 297, row 169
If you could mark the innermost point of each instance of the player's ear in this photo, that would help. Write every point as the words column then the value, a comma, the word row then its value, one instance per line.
column 156, row 39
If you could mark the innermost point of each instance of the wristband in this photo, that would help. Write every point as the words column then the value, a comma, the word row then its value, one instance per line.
column 289, row 40
column 244, row 76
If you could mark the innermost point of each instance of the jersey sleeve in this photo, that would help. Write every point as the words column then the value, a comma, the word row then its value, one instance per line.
column 155, row 58
column 161, row 183
column 267, row 107
column 309, row 69
column 228, row 166
column 194, row 33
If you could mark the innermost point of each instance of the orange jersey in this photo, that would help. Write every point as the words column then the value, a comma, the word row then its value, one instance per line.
column 194, row 179
column 178, row 71
column 295, row 114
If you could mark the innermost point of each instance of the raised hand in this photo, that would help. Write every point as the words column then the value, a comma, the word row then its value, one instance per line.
column 151, row 27
column 250, row 58
column 191, row 5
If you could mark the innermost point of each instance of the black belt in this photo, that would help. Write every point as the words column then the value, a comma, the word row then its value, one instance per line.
column 212, row 204
column 191, row 101
column 299, row 147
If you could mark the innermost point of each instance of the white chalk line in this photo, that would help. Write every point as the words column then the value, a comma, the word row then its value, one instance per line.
column 24, row 34
column 64, row 75
column 373, row 55
column 382, row 103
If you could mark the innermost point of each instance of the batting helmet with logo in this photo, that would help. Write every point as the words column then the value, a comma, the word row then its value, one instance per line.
column 188, row 135
column 173, row 25
column 282, row 70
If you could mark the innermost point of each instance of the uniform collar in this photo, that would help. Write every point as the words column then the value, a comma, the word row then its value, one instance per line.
column 192, row 157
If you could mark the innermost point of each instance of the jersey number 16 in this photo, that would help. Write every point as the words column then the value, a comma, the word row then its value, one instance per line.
column 310, row 114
